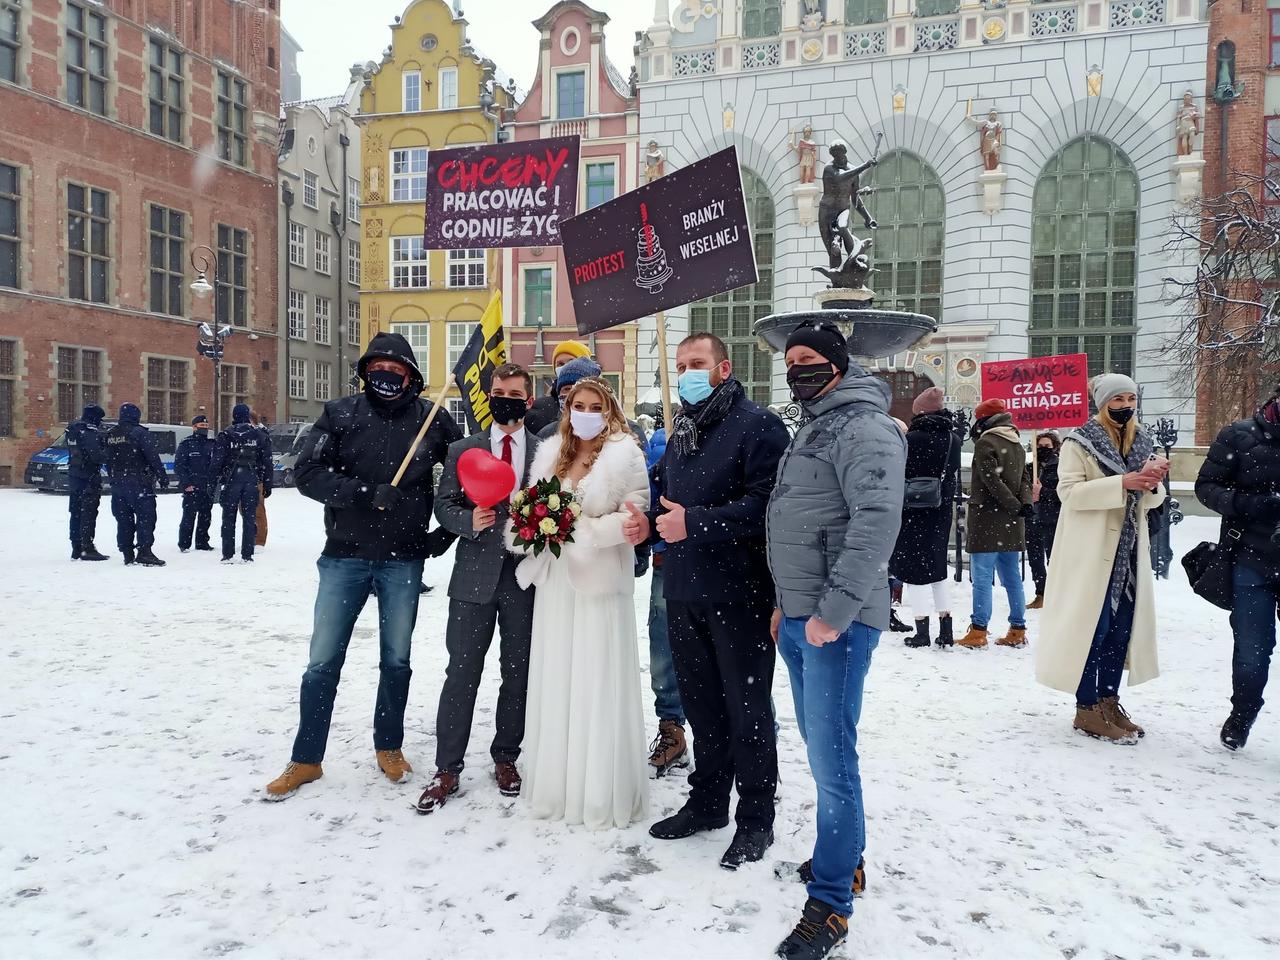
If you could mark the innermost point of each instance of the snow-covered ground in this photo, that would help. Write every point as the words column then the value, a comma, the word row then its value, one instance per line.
column 142, row 711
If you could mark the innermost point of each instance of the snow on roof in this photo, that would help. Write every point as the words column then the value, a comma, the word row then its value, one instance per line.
column 615, row 77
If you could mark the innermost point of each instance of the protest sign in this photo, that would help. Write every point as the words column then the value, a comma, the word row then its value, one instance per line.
column 501, row 194
column 1041, row 393
column 678, row 239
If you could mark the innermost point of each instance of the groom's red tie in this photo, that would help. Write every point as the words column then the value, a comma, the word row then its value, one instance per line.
column 506, row 448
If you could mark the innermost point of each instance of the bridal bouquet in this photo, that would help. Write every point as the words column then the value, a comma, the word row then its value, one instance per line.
column 543, row 516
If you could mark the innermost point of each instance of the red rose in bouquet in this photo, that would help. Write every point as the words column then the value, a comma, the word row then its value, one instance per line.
column 543, row 517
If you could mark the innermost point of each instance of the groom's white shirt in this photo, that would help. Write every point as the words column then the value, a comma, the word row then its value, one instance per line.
column 519, row 444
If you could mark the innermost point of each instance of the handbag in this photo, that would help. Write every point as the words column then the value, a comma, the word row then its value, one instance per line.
column 1210, row 566
column 925, row 493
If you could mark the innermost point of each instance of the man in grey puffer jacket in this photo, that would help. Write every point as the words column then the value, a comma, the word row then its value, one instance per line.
column 832, row 523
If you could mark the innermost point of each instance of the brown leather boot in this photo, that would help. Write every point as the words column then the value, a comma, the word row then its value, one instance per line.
column 1092, row 722
column 1016, row 637
column 975, row 639
column 394, row 765
column 294, row 776
column 1119, row 716
column 508, row 778
column 442, row 786
column 669, row 748
column 1037, row 603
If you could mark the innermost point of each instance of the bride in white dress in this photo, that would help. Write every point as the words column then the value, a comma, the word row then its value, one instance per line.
column 584, row 744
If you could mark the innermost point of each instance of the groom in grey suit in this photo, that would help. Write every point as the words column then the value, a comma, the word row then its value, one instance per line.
column 483, row 591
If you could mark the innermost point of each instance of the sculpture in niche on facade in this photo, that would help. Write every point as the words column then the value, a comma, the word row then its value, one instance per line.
column 1187, row 126
column 992, row 134
column 655, row 164
column 841, row 192
column 812, row 17
column 807, row 150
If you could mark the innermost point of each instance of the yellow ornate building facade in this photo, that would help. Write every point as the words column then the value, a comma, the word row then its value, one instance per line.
column 432, row 89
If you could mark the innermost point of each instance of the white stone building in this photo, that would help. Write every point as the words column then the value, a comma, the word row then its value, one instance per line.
column 1060, row 249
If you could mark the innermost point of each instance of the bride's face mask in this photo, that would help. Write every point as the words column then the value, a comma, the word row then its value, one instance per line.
column 586, row 425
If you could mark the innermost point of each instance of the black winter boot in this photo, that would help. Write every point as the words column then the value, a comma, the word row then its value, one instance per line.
column 76, row 553
column 127, row 556
column 819, row 931
column 921, row 636
column 945, row 639
column 148, row 559
column 748, row 847
column 896, row 624
column 1235, row 732
column 685, row 822
column 90, row 552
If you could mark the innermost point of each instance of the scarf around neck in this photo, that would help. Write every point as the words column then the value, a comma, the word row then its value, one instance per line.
column 702, row 417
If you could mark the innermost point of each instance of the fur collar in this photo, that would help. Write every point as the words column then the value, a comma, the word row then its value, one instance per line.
column 607, row 476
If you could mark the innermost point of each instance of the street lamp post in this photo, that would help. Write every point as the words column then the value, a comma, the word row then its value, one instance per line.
column 210, row 341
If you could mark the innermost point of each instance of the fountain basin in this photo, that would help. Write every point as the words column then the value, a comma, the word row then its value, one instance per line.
column 871, row 333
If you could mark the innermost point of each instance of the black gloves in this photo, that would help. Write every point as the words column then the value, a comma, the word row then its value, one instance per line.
column 266, row 491
column 387, row 497
column 163, row 480
column 439, row 541
column 1027, row 511
column 1267, row 507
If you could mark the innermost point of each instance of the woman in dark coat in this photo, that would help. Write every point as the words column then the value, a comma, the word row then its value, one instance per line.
column 920, row 556
column 1045, row 496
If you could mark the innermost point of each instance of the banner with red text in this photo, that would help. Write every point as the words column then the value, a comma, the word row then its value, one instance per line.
column 501, row 194
column 1041, row 393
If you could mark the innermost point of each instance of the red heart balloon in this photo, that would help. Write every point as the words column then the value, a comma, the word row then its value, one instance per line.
column 485, row 478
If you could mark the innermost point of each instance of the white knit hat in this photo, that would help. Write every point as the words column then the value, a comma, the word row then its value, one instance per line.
column 1107, row 386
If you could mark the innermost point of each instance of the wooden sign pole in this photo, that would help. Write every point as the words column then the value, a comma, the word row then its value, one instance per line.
column 664, row 374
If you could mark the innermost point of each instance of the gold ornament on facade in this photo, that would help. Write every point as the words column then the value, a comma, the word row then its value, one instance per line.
column 1093, row 82
column 994, row 28
column 900, row 100
column 812, row 50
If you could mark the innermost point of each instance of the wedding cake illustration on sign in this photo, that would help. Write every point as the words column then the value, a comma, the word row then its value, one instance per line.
column 652, row 269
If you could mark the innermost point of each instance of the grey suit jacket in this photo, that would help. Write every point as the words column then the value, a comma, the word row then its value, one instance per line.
column 477, row 564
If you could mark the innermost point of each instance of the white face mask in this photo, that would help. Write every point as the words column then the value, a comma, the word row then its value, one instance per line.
column 586, row 426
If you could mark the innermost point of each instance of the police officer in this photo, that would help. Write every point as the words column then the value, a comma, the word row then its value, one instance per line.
column 193, row 464
column 84, row 437
column 241, row 460
column 134, row 468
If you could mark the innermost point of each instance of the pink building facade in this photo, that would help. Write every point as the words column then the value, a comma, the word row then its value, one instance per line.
column 577, row 91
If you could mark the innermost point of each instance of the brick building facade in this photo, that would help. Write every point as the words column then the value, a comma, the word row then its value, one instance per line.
column 135, row 131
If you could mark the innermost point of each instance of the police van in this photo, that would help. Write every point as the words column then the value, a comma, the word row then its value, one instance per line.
column 47, row 470
column 286, row 444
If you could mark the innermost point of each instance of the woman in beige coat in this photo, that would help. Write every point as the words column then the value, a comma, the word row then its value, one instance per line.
column 1108, row 479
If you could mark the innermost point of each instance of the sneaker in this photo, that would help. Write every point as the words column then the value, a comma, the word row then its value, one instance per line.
column 1016, row 637
column 508, row 778
column 748, row 846
column 394, row 765
column 819, row 931
column 669, row 748
column 1235, row 732
column 975, row 639
column 442, row 786
column 1093, row 722
column 295, row 775
column 1119, row 716
column 684, row 823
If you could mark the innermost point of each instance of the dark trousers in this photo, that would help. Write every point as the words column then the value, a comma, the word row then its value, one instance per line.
column 1105, row 666
column 467, row 638
column 134, row 507
column 82, row 503
column 1253, row 621
column 197, row 513
column 239, row 496
column 1048, row 528
column 1036, row 554
column 724, row 661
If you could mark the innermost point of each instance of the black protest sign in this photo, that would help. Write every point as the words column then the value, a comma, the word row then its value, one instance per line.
column 501, row 194
column 675, row 240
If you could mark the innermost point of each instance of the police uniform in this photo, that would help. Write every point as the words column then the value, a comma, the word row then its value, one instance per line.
column 242, row 461
column 193, row 464
column 84, row 472
column 135, row 469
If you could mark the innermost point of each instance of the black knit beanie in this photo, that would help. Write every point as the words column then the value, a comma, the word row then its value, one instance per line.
column 825, row 338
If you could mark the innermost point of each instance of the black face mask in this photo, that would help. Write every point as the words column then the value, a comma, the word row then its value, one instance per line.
column 385, row 384
column 1120, row 417
column 508, row 410
column 1046, row 453
column 807, row 380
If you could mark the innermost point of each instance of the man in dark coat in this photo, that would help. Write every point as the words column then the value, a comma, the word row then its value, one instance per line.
column 242, row 462
column 134, row 468
column 999, row 503
column 84, row 473
column 1240, row 479
column 377, row 540
column 715, row 478
column 193, row 466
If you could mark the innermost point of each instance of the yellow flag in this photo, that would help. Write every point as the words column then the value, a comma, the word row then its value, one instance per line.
column 485, row 352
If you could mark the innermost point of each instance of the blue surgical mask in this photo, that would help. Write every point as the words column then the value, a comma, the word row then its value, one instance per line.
column 695, row 386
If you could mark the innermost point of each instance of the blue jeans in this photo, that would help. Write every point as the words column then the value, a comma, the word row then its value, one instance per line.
column 345, row 585
column 1253, row 621
column 827, row 685
column 662, row 669
column 1104, row 667
column 984, row 567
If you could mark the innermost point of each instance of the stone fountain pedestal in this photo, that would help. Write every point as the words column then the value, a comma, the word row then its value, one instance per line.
column 872, row 333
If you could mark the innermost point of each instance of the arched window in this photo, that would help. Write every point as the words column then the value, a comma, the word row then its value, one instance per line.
column 730, row 316
column 1084, row 238
column 761, row 18
column 907, row 252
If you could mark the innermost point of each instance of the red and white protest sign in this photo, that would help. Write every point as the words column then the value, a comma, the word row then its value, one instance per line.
column 1041, row 393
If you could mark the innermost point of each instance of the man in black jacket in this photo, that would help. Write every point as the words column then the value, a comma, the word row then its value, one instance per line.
column 715, row 479
column 1240, row 479
column 377, row 539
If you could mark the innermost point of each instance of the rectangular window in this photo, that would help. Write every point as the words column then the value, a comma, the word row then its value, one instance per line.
column 412, row 91
column 865, row 11
column 168, row 383
column 10, row 44
column 1270, row 158
column 10, row 222
column 323, row 258
column 297, row 245
column 88, row 245
column 324, row 380
column 458, row 410
column 537, row 297
column 600, row 183
column 324, row 321
column 408, row 263
column 353, row 199
column 409, row 174
column 449, row 88
column 1274, row 38
column 297, row 315
column 86, row 59
column 459, row 334
column 166, row 94
column 8, row 385
column 233, row 389
column 79, row 381
column 310, row 190
column 231, row 289
column 233, row 111
column 466, row 268
column 297, row 379
column 763, row 18
column 571, row 95
column 353, row 323
column 419, row 337
column 168, row 260
column 353, row 262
